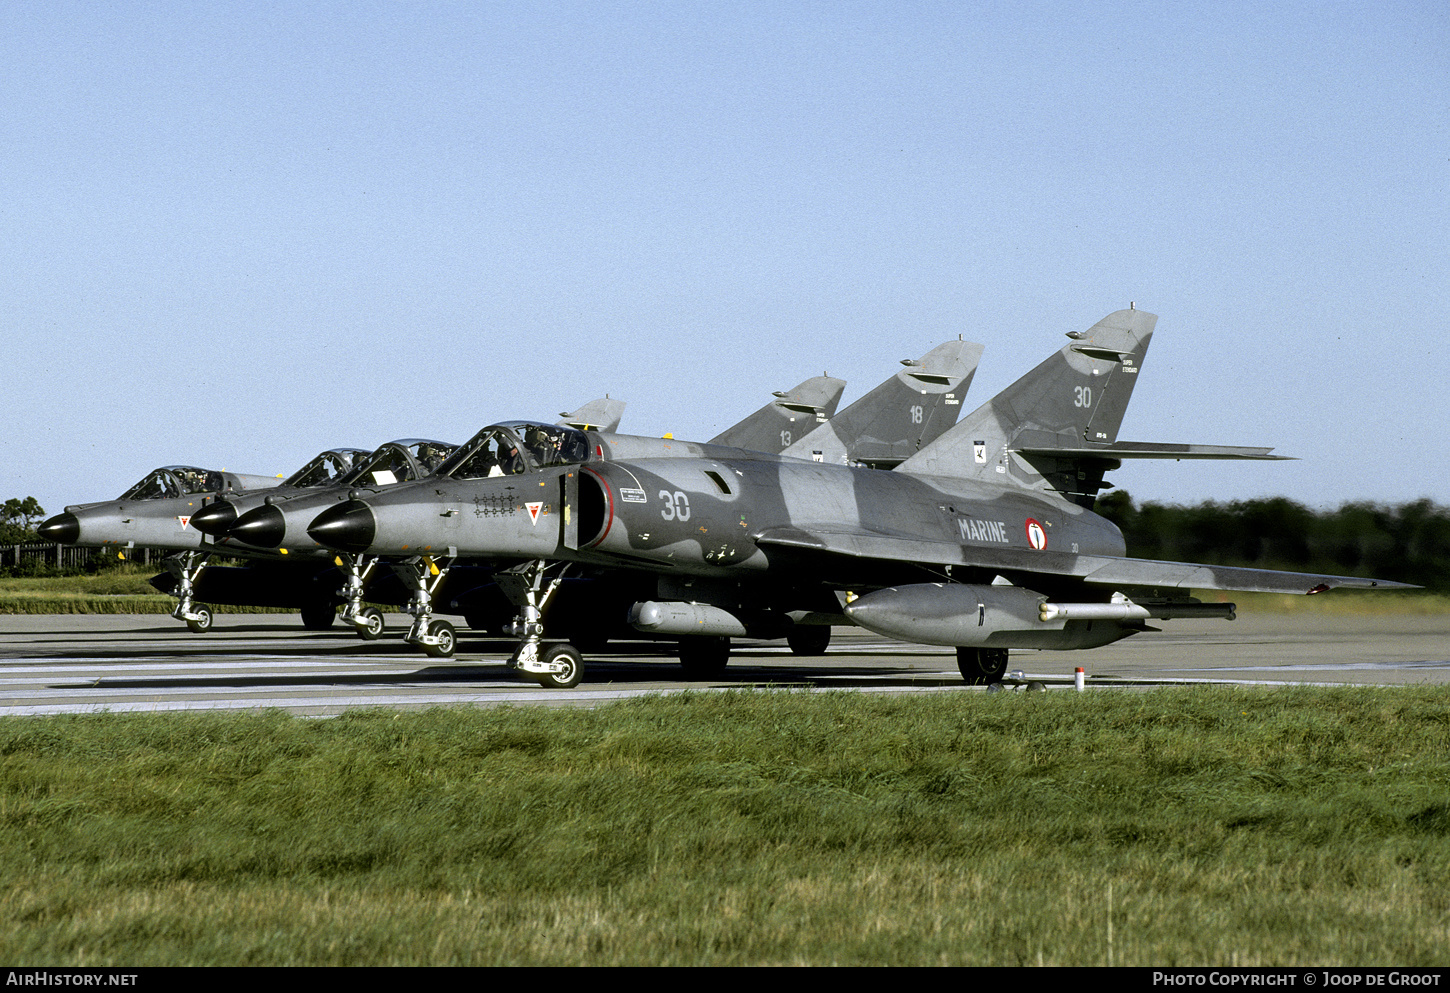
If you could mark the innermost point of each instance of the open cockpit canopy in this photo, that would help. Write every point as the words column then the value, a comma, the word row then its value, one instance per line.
column 399, row 462
column 516, row 447
column 173, row 481
column 328, row 468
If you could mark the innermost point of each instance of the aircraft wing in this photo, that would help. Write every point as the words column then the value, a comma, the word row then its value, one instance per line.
column 1098, row 570
column 1060, row 446
column 1156, row 450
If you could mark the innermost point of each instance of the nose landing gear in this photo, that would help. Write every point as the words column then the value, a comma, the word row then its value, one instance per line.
column 556, row 665
column 186, row 568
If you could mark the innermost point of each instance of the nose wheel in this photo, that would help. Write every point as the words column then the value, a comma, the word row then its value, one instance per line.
column 198, row 620
column 369, row 623
column 442, row 640
column 436, row 639
column 565, row 667
column 357, row 570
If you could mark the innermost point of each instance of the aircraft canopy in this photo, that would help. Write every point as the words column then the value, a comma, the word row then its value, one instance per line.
column 399, row 462
column 517, row 447
column 327, row 469
column 173, row 481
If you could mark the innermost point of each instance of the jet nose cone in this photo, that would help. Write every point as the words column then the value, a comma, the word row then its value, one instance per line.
column 215, row 520
column 348, row 527
column 64, row 528
column 264, row 527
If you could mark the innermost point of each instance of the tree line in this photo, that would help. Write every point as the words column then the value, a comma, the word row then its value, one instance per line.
column 18, row 519
column 1409, row 543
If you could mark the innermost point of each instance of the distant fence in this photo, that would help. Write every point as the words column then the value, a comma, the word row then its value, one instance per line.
column 64, row 557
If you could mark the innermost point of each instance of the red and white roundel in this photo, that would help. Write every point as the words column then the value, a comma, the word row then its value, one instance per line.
column 1036, row 536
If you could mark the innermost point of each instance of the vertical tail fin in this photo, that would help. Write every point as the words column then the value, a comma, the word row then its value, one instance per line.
column 1077, row 396
column 786, row 418
column 596, row 415
column 895, row 420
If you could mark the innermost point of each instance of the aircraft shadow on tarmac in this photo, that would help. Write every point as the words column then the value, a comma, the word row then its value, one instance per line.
column 744, row 678
column 603, row 670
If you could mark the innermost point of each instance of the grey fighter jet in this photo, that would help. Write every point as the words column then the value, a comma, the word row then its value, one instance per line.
column 902, row 414
column 982, row 541
column 245, row 523
column 907, row 411
column 255, row 521
column 277, row 521
column 157, row 513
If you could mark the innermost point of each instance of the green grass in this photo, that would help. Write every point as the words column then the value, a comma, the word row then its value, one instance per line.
column 118, row 591
column 1196, row 826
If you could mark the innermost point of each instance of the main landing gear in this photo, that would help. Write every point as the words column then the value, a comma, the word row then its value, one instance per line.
column 982, row 666
column 809, row 639
column 704, row 656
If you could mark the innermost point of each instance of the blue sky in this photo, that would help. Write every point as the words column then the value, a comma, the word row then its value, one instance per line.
column 236, row 234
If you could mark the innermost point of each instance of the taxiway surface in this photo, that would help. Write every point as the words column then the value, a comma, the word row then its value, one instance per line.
column 83, row 663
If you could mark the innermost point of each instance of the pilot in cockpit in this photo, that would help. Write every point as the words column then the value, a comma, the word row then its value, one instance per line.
column 511, row 463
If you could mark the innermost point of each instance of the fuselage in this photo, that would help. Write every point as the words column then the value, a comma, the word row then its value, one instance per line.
column 703, row 516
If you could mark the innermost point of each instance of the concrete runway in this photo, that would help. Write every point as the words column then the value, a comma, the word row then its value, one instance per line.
column 53, row 664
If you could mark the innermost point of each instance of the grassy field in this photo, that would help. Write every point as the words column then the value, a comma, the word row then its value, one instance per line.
column 1188, row 826
column 116, row 591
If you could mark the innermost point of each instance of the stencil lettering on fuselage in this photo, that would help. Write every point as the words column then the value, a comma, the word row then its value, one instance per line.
column 974, row 530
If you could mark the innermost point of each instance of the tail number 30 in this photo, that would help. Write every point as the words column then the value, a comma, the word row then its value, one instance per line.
column 676, row 506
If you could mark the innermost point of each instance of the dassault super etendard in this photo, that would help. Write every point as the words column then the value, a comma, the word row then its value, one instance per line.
column 983, row 540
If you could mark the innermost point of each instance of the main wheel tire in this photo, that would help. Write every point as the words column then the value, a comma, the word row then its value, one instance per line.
column 568, row 656
column 373, row 624
column 318, row 617
column 811, row 639
column 982, row 666
column 447, row 640
column 201, row 624
column 702, row 656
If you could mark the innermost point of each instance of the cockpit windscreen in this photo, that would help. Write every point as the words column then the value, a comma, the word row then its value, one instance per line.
column 516, row 447
column 400, row 462
column 174, row 481
column 327, row 469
